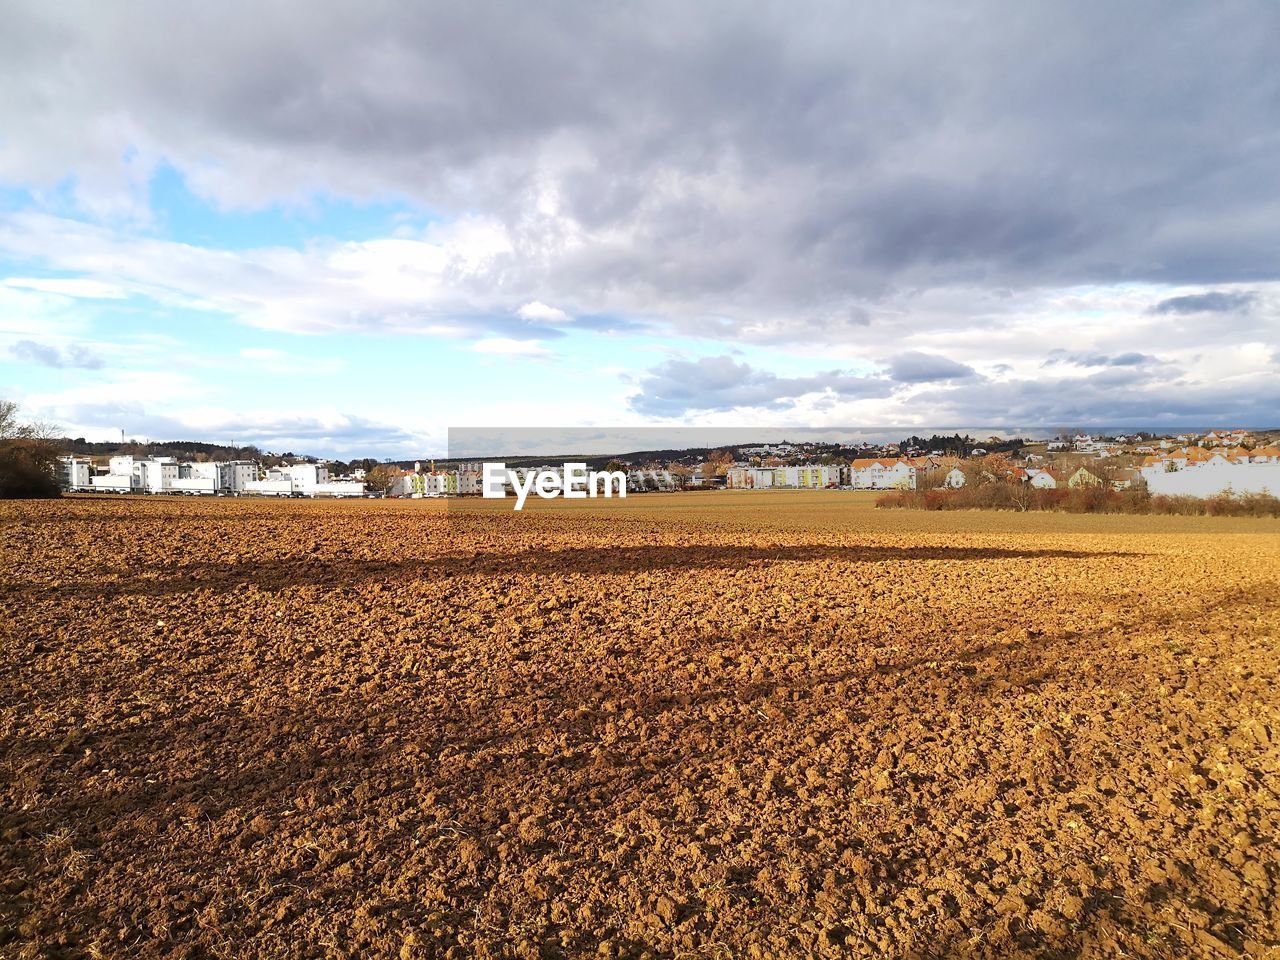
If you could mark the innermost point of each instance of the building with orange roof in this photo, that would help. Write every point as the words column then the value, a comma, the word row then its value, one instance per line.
column 882, row 474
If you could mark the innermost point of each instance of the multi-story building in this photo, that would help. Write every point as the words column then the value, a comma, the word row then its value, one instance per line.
column 749, row 478
column 215, row 477
column 878, row 474
column 121, row 477
column 156, row 474
column 74, row 473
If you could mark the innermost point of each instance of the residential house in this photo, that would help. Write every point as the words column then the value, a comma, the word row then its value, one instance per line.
column 1125, row 478
column 1041, row 479
column 882, row 474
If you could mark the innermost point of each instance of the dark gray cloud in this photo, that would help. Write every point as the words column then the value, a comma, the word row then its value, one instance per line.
column 1130, row 359
column 29, row 351
column 1215, row 301
column 677, row 387
column 721, row 160
column 1115, row 396
column 916, row 367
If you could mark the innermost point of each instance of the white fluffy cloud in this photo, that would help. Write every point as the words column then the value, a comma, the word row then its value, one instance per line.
column 981, row 202
column 539, row 312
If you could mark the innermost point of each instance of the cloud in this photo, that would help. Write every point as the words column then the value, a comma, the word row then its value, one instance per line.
column 436, row 284
column 69, row 287
column 1113, row 397
column 1214, row 301
column 719, row 391
column 74, row 356
column 915, row 367
column 326, row 433
column 1129, row 359
column 539, row 312
column 945, row 190
column 725, row 168
column 677, row 387
column 506, row 347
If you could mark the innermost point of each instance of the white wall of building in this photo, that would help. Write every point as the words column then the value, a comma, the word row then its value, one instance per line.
column 307, row 475
column 156, row 474
column 270, row 487
column 335, row 488
column 120, row 466
column 207, row 486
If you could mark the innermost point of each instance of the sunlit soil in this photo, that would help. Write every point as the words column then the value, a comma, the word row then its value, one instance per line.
column 704, row 725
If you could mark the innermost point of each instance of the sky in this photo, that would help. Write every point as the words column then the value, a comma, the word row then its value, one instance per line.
column 343, row 229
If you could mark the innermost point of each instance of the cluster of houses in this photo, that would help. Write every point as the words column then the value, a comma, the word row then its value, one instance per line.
column 466, row 480
column 1198, row 466
column 907, row 473
column 1200, row 471
column 858, row 474
column 1114, row 446
column 168, row 475
column 1188, row 471
column 1217, row 462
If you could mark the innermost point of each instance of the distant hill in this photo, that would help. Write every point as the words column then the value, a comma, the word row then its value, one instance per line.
column 183, row 449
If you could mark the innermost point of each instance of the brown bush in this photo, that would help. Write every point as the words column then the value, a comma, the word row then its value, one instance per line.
column 1003, row 496
column 27, row 470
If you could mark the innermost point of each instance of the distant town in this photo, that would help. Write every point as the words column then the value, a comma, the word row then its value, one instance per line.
column 1185, row 464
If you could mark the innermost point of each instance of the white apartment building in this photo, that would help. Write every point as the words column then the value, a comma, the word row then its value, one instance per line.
column 215, row 477
column 882, row 475
column 156, row 474
column 303, row 480
column 749, row 478
column 306, row 475
column 121, row 477
column 74, row 473
column 806, row 477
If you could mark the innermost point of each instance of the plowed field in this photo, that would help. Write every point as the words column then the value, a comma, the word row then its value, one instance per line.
column 711, row 725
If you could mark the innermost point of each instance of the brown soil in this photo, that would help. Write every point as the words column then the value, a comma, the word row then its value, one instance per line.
column 679, row 726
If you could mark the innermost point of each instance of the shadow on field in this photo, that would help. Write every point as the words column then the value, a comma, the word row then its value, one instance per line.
column 159, row 579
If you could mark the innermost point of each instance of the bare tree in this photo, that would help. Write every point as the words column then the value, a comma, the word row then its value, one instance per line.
column 381, row 478
column 1022, row 493
column 28, row 456
column 12, row 428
